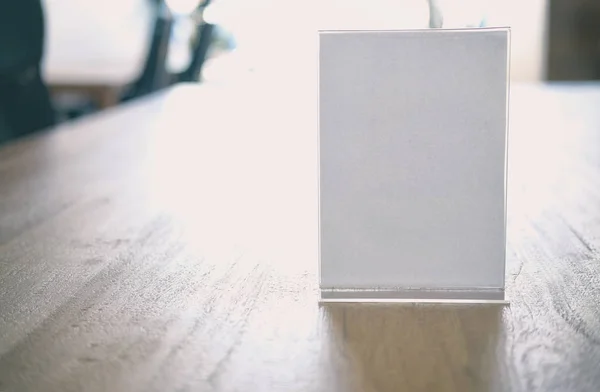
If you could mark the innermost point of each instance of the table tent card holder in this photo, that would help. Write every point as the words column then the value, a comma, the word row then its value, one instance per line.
column 412, row 165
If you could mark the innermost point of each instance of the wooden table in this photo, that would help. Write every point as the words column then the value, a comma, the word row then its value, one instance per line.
column 145, row 250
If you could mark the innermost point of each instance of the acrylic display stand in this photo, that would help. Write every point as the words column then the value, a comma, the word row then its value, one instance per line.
column 412, row 164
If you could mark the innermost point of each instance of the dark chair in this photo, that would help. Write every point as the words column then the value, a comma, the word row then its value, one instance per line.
column 25, row 105
column 154, row 75
column 200, row 47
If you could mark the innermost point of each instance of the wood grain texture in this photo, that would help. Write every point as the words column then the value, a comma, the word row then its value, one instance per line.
column 171, row 246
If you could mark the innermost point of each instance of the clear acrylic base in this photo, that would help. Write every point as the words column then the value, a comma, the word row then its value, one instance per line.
column 475, row 295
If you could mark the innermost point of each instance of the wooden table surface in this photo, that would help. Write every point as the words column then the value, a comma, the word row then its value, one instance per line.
column 170, row 245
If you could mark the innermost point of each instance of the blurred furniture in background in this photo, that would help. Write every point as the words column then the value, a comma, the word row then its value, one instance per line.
column 154, row 74
column 103, row 53
column 97, row 47
column 200, row 46
column 574, row 40
column 25, row 105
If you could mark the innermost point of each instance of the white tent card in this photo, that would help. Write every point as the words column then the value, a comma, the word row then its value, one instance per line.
column 412, row 160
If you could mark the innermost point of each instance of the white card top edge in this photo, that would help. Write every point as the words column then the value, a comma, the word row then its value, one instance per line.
column 422, row 30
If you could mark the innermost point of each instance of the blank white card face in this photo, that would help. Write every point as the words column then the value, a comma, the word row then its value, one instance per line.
column 412, row 155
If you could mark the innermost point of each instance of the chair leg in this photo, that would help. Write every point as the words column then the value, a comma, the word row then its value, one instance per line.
column 192, row 73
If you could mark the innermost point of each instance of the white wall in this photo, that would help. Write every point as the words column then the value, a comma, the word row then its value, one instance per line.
column 281, row 34
column 528, row 22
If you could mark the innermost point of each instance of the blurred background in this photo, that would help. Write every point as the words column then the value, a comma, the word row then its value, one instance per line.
column 98, row 55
